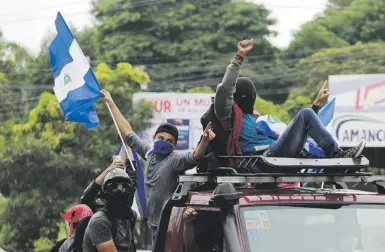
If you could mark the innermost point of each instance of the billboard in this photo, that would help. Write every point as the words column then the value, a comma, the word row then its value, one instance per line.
column 360, row 109
column 184, row 110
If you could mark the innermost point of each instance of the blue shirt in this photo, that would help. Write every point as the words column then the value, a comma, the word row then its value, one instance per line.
column 250, row 138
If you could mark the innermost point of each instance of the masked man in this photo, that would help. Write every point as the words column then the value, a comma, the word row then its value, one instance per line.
column 234, row 105
column 163, row 164
column 111, row 229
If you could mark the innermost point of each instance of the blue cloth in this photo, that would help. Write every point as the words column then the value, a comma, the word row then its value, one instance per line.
column 161, row 148
column 76, row 86
column 254, row 134
column 141, row 201
column 140, row 195
column 326, row 114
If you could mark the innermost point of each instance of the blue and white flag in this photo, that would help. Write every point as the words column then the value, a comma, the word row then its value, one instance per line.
column 76, row 86
column 326, row 114
column 140, row 195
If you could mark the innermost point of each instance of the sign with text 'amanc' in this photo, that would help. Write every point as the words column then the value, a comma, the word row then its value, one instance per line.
column 359, row 110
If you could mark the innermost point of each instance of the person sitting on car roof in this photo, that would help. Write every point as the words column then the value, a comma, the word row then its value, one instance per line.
column 234, row 106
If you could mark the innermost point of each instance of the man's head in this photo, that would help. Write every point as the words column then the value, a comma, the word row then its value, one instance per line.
column 245, row 94
column 166, row 132
column 117, row 182
column 118, row 189
column 75, row 215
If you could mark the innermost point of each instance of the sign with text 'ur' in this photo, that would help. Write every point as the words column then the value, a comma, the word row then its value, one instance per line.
column 181, row 109
column 359, row 109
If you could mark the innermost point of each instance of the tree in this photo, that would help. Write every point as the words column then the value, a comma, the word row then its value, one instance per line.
column 47, row 162
column 339, row 3
column 361, row 58
column 343, row 23
column 13, row 63
column 183, row 44
column 295, row 102
column 268, row 108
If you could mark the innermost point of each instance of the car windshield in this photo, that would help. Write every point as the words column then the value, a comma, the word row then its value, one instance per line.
column 322, row 228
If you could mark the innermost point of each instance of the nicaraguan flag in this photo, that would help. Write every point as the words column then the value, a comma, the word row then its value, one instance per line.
column 326, row 114
column 140, row 195
column 76, row 86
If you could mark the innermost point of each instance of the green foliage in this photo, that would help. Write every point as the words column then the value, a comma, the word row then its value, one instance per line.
column 345, row 22
column 204, row 90
column 183, row 44
column 295, row 102
column 358, row 59
column 14, row 61
column 339, row 3
column 268, row 108
column 47, row 162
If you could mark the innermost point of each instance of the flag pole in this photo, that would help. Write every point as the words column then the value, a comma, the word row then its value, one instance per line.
column 121, row 138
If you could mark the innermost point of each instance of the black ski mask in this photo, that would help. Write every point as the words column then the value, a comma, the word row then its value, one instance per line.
column 245, row 95
column 119, row 193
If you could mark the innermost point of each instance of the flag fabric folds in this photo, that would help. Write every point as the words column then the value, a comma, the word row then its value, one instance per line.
column 76, row 86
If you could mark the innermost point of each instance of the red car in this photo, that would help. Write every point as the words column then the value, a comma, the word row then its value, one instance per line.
column 249, row 212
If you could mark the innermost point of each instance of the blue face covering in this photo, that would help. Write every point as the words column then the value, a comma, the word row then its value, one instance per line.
column 162, row 148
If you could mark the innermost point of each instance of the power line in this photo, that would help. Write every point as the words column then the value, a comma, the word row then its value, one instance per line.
column 119, row 8
column 182, row 65
column 200, row 78
column 21, row 101
column 150, row 2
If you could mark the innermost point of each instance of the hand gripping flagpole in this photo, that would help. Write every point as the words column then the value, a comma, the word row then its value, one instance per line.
column 121, row 138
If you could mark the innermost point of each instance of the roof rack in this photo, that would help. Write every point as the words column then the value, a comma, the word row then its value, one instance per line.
column 361, row 177
column 338, row 171
column 294, row 165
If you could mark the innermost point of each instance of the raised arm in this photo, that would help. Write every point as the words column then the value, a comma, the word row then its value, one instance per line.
column 224, row 99
column 91, row 192
column 322, row 95
column 189, row 160
column 201, row 149
column 124, row 126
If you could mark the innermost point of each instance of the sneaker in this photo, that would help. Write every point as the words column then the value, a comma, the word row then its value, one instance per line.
column 354, row 152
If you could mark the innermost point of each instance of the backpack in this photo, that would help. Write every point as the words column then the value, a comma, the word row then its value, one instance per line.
column 57, row 245
column 77, row 245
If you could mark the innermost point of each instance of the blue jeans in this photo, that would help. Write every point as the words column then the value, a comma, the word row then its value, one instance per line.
column 154, row 230
column 292, row 140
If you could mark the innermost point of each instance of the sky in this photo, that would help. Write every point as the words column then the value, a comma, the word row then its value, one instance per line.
column 27, row 22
